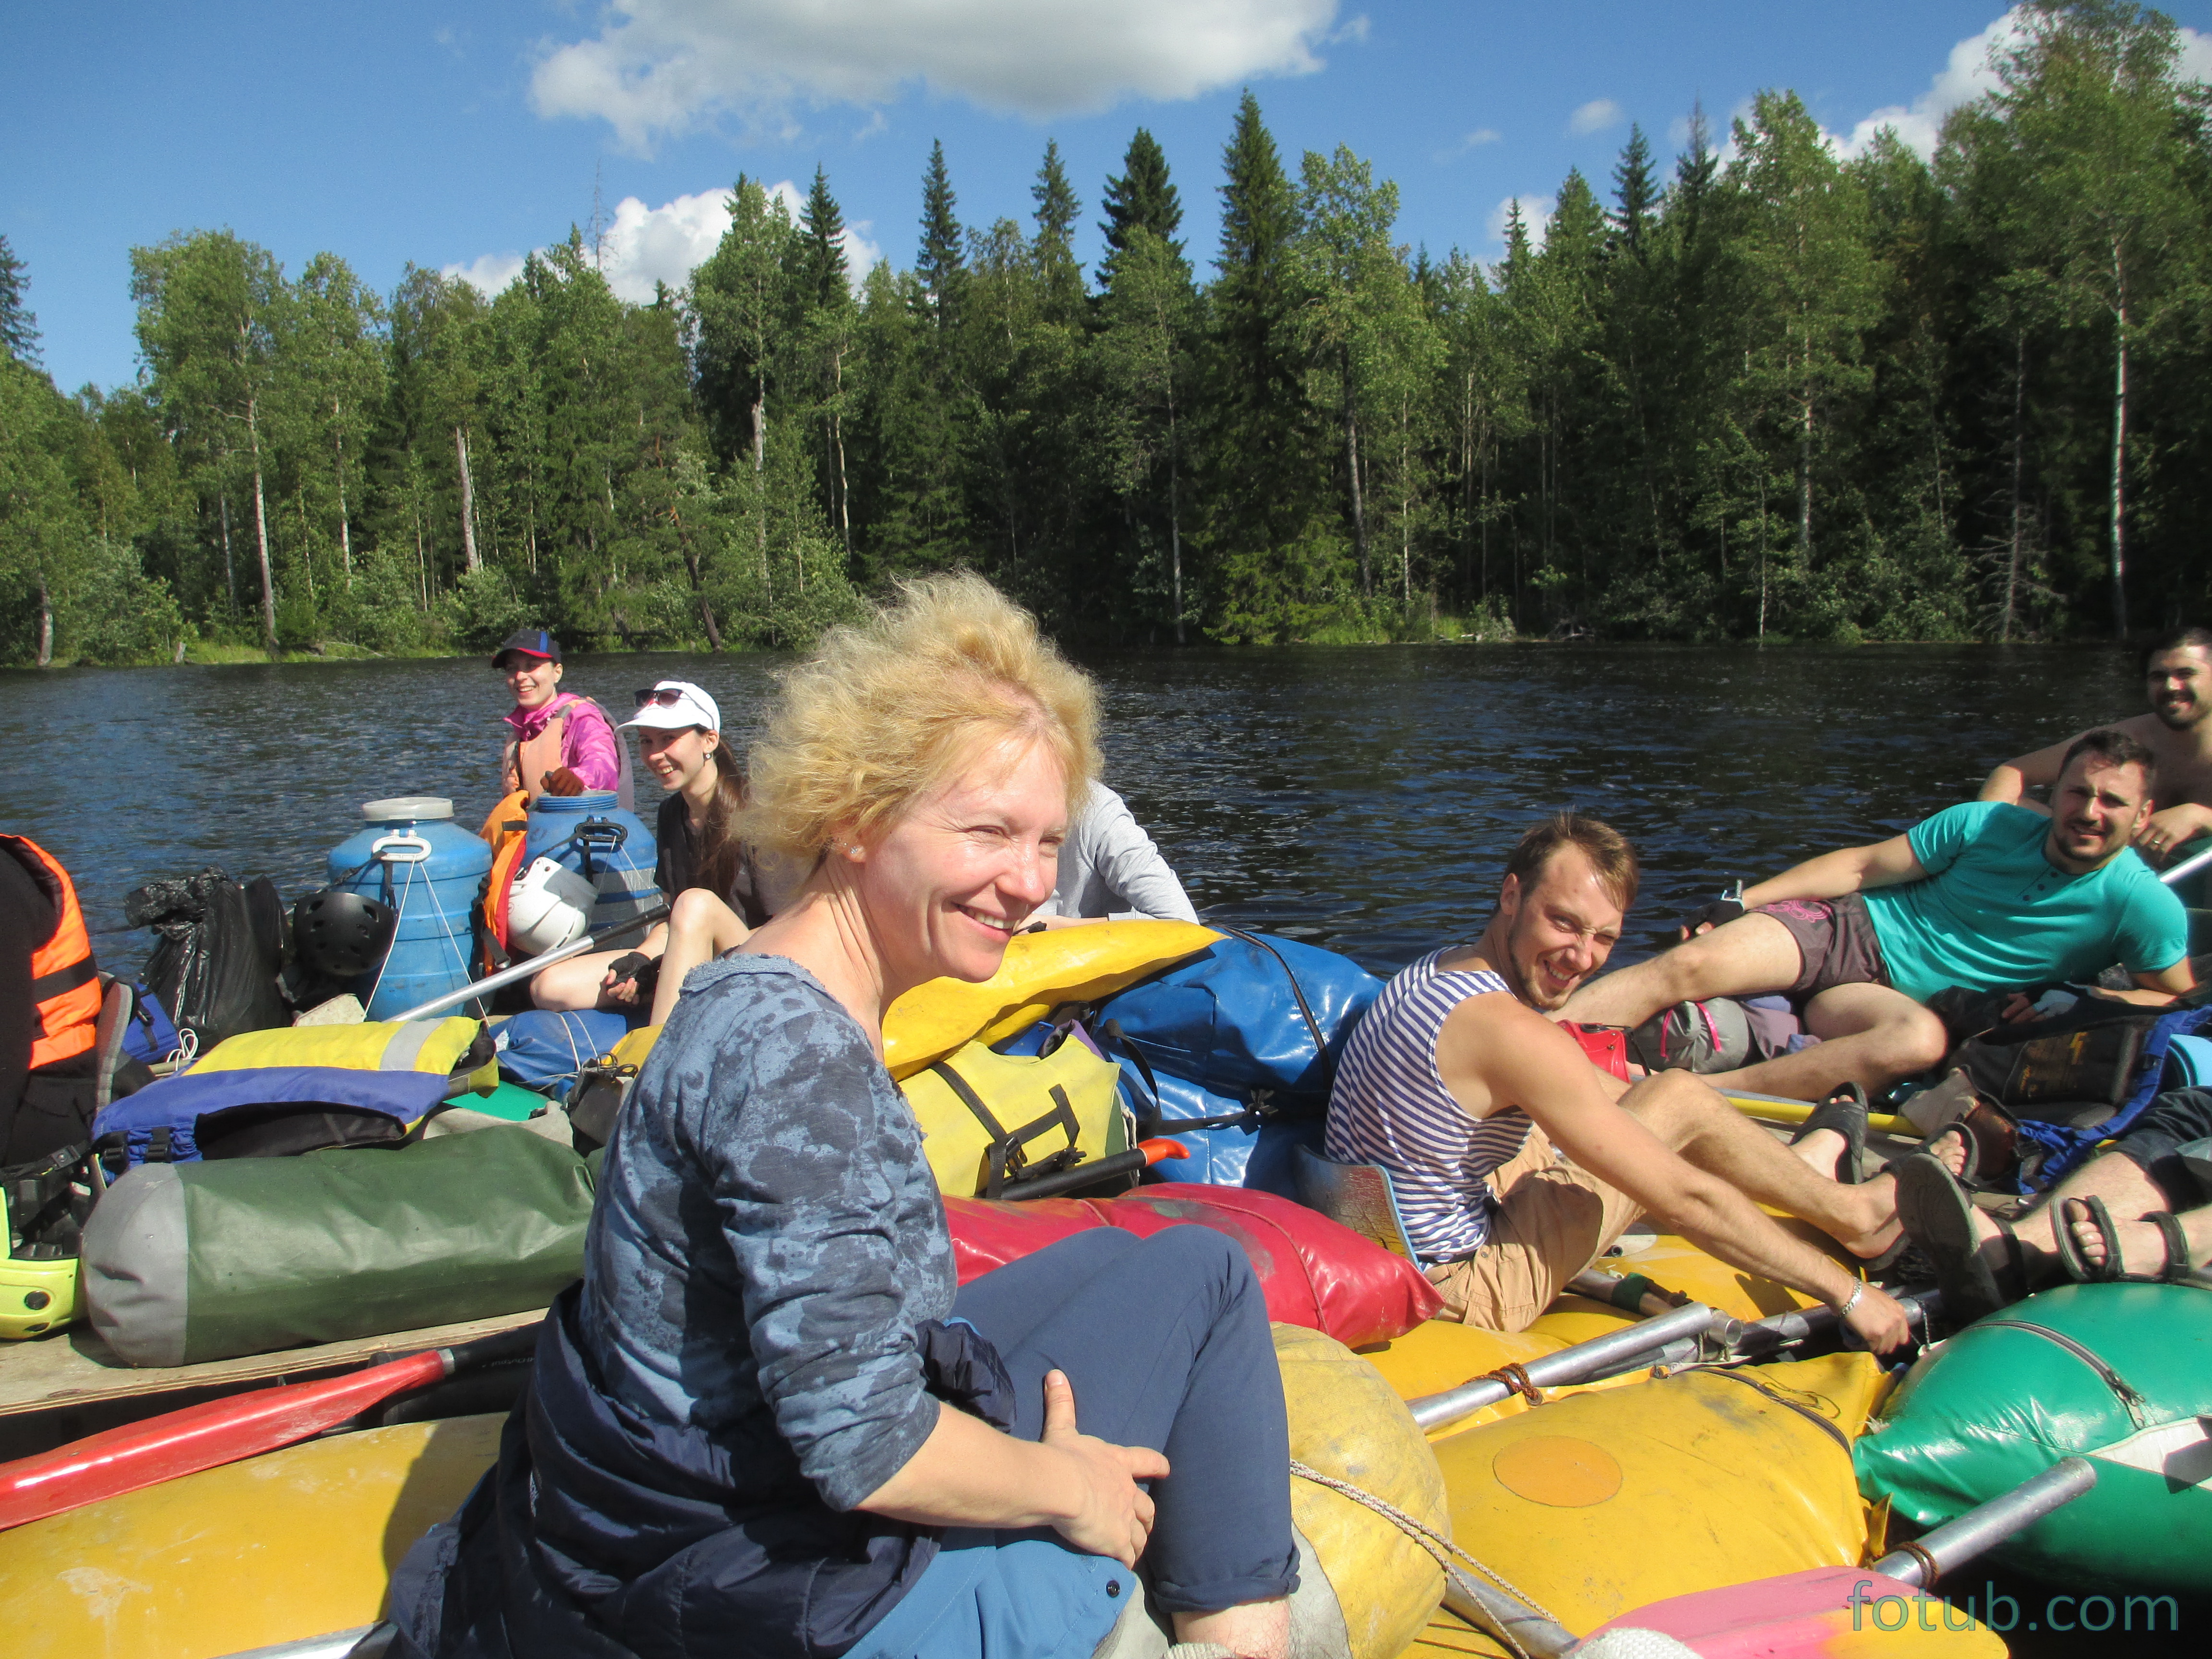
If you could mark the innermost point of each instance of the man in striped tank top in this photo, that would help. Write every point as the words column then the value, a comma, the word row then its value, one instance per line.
column 1457, row 1083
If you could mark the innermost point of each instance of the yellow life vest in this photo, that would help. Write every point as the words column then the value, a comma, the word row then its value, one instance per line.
column 989, row 1119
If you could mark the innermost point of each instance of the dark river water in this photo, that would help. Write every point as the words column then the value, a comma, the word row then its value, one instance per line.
column 1362, row 798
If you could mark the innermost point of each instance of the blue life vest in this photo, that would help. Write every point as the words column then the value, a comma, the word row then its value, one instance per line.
column 269, row 1110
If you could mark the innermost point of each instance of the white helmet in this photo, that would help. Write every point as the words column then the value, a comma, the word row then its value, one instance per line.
column 549, row 905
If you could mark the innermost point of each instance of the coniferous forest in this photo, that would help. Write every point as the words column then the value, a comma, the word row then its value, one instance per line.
column 1749, row 392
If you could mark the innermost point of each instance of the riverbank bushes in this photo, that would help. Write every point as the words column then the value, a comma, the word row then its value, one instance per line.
column 1775, row 394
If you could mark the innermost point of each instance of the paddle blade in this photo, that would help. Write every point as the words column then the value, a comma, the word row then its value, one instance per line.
column 1823, row 1613
column 203, row 1436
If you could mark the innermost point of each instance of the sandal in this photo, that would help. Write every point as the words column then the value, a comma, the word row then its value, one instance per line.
column 2176, row 1269
column 1938, row 1215
column 1845, row 1112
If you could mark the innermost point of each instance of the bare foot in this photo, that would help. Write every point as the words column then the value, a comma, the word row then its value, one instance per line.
column 2142, row 1247
column 1822, row 1151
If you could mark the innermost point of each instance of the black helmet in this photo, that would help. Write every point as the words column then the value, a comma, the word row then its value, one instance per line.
column 338, row 934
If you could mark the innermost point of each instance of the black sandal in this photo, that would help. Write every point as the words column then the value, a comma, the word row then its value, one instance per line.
column 1845, row 1112
column 1938, row 1215
column 2176, row 1269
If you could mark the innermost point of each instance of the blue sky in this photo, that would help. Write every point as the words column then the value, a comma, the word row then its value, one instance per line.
column 458, row 137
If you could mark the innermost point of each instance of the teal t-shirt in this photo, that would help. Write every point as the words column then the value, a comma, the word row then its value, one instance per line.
column 1994, row 913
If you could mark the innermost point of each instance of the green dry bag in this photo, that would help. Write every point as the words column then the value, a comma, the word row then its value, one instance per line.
column 184, row 1262
column 2120, row 1373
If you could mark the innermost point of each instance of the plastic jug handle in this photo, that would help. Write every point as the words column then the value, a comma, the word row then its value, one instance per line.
column 403, row 847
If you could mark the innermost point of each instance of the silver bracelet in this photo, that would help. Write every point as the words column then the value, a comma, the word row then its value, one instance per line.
column 1852, row 1301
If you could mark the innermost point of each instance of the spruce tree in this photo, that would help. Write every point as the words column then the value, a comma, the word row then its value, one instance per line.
column 938, row 265
column 1636, row 193
column 1264, row 477
column 18, row 324
column 1057, row 207
column 1142, row 197
column 826, row 277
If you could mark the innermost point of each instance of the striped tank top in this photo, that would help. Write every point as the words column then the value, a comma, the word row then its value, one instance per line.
column 1390, row 1107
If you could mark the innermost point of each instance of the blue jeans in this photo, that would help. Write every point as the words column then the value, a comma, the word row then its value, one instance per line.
column 1165, row 1342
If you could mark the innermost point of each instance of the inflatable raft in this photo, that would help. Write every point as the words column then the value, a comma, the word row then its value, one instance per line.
column 1539, row 1519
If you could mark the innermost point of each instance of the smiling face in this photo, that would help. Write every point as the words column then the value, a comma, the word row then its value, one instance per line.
column 2096, row 808
column 947, row 884
column 532, row 679
column 2179, row 684
column 675, row 758
column 1558, row 930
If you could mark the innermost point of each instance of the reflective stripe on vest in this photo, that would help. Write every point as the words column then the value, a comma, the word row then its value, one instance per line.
column 64, row 978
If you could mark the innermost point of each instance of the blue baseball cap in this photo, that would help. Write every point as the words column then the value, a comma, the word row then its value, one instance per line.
column 528, row 642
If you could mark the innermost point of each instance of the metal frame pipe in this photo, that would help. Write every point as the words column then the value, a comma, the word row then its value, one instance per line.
column 1512, row 1620
column 1987, row 1525
column 543, row 960
column 1575, row 1364
column 2188, row 867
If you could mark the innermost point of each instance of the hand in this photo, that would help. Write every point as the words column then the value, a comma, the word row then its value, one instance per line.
column 1114, row 1514
column 1708, row 917
column 1881, row 1321
column 2018, row 1010
column 562, row 781
column 621, row 983
column 2163, row 833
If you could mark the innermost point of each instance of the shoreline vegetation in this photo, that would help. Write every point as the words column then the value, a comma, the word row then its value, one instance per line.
column 1773, row 392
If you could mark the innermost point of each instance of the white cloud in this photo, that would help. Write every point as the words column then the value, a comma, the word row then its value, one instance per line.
column 1536, row 216
column 487, row 273
column 1967, row 76
column 661, row 66
column 1595, row 116
column 1964, row 78
column 1474, row 140
column 666, row 244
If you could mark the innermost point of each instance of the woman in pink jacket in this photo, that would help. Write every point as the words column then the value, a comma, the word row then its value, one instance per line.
column 562, row 744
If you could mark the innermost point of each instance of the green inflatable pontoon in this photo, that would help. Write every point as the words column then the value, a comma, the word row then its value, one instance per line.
column 2120, row 1373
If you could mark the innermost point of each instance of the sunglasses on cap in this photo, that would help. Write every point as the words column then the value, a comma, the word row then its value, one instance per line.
column 661, row 696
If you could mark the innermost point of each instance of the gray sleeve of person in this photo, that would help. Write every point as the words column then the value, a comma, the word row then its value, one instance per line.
column 1109, row 867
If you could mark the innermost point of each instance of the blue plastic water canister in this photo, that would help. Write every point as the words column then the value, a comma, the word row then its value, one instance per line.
column 2188, row 1063
column 412, row 856
column 593, row 835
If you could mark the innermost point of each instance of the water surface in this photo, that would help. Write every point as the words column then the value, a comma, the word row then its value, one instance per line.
column 1362, row 798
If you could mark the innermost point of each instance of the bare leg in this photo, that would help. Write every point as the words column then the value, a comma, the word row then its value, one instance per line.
column 1252, row 1630
column 1870, row 1035
column 1686, row 1114
column 700, row 928
column 579, row 982
column 1749, row 957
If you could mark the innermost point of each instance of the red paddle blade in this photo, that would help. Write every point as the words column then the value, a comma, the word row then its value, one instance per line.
column 203, row 1436
column 1801, row 1616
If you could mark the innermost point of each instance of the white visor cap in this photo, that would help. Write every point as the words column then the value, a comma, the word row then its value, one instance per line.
column 672, row 705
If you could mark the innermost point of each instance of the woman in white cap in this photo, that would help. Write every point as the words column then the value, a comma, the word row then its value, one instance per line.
column 706, row 873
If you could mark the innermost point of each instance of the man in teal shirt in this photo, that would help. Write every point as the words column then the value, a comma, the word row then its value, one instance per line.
column 1985, row 896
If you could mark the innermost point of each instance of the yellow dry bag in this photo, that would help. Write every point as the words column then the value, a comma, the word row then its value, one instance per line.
column 990, row 1118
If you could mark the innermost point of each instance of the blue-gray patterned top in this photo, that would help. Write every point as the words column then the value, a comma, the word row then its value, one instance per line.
column 767, row 1236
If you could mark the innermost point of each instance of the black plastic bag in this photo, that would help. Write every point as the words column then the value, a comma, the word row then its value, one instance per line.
column 214, row 969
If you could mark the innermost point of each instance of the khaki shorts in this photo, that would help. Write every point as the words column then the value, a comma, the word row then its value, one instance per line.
column 1552, row 1221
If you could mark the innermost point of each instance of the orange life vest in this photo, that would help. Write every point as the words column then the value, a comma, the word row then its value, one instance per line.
column 507, row 830
column 64, row 978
